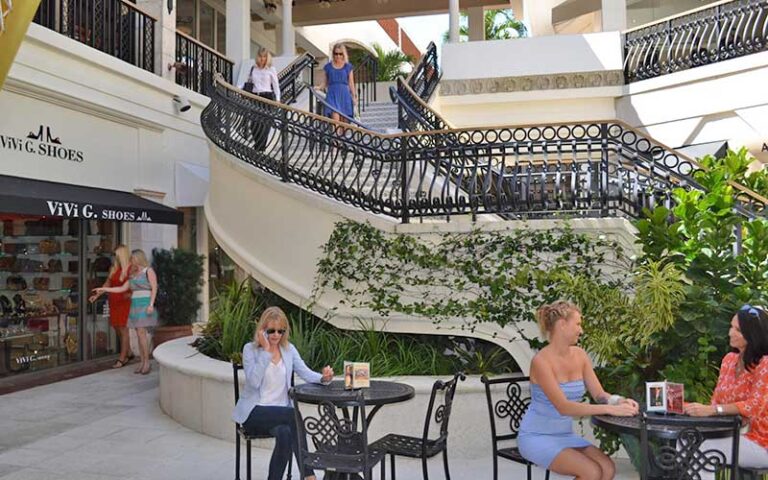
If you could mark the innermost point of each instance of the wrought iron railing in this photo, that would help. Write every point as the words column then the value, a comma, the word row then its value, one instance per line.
column 597, row 169
column 413, row 114
column 366, row 73
column 707, row 35
column 115, row 27
column 426, row 74
column 295, row 77
column 319, row 106
column 197, row 64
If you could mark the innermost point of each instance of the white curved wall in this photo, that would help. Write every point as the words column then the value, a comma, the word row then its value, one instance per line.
column 275, row 231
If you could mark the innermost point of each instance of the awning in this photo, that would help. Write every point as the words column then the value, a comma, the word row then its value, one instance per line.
column 37, row 197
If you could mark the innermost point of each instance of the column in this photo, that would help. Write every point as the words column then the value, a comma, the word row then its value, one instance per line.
column 238, row 32
column 614, row 15
column 287, row 33
column 453, row 21
column 165, row 35
column 476, row 24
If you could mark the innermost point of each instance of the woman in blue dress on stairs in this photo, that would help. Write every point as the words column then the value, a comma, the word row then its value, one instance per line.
column 339, row 85
column 560, row 374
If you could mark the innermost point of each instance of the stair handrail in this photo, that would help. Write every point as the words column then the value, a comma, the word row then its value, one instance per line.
column 320, row 101
column 289, row 78
column 366, row 75
column 593, row 168
column 425, row 76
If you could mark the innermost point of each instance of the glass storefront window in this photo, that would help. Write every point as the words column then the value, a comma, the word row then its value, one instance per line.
column 42, row 261
column 185, row 17
column 100, row 338
column 221, row 33
column 207, row 16
column 648, row 11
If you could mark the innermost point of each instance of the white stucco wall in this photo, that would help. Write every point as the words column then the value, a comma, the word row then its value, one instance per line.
column 365, row 33
column 120, row 117
column 532, row 56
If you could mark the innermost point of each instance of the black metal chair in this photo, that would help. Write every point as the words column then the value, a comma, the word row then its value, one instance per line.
column 438, row 417
column 240, row 432
column 679, row 455
column 508, row 408
column 339, row 444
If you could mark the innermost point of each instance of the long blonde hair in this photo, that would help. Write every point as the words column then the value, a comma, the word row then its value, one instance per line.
column 273, row 314
column 122, row 260
column 264, row 51
column 139, row 258
column 548, row 315
column 343, row 48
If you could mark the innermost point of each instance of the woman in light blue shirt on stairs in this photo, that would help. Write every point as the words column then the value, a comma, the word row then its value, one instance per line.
column 264, row 408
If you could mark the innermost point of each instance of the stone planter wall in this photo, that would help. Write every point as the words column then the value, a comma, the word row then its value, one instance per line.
column 196, row 391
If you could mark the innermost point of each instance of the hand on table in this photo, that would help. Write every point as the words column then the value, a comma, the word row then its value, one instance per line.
column 624, row 409
column 629, row 401
column 698, row 410
column 327, row 374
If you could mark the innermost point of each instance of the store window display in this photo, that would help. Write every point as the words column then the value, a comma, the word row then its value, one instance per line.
column 43, row 261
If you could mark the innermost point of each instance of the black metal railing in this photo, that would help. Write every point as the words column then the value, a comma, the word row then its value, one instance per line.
column 598, row 169
column 366, row 74
column 115, row 27
column 426, row 74
column 705, row 36
column 413, row 114
column 295, row 77
column 319, row 106
column 197, row 64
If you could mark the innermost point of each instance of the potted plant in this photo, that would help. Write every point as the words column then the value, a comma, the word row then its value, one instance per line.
column 179, row 282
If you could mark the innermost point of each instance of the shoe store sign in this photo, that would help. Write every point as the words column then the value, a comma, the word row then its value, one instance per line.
column 89, row 211
column 42, row 142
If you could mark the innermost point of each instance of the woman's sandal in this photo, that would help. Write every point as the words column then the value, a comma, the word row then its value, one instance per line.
column 146, row 372
column 120, row 363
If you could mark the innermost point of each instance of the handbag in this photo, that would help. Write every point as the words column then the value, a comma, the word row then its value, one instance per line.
column 69, row 283
column 72, row 247
column 248, row 85
column 7, row 264
column 54, row 265
column 16, row 283
column 49, row 246
column 41, row 283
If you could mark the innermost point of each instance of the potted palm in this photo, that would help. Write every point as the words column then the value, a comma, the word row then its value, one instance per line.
column 179, row 282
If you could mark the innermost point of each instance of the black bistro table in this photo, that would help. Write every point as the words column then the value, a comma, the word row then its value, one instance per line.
column 380, row 393
column 667, row 434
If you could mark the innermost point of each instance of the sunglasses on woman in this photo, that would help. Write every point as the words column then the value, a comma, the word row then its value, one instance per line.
column 270, row 331
column 338, row 54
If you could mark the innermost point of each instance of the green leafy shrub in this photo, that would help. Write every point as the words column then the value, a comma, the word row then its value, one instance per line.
column 179, row 282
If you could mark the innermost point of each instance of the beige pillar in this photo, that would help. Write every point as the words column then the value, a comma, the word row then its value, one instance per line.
column 614, row 15
column 238, row 31
column 453, row 21
column 287, row 32
column 476, row 24
column 165, row 35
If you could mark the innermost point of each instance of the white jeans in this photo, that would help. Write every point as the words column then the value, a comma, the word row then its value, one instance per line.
column 751, row 454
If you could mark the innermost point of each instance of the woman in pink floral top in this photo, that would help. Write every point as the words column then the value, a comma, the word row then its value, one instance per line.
column 742, row 388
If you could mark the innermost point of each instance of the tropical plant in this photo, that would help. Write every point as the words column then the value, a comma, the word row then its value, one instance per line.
column 390, row 64
column 179, row 282
column 498, row 24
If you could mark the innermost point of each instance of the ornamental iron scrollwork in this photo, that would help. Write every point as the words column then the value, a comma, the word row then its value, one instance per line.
column 599, row 169
column 686, row 460
column 710, row 35
column 513, row 407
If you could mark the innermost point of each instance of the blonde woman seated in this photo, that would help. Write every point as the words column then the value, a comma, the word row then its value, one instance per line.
column 264, row 408
column 560, row 374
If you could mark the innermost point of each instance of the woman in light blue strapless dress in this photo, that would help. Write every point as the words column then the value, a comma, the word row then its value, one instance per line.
column 560, row 375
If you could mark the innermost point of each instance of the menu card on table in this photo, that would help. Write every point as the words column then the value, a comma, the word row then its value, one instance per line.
column 356, row 375
column 666, row 397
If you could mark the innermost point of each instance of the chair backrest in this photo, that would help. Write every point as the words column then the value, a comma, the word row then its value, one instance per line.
column 439, row 409
column 507, row 406
column 681, row 456
column 339, row 443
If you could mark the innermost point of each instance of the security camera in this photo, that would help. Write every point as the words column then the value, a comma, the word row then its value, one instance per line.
column 181, row 103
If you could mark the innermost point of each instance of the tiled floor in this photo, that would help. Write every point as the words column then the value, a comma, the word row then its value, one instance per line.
column 108, row 426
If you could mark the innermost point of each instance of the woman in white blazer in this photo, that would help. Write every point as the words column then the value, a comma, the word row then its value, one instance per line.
column 264, row 407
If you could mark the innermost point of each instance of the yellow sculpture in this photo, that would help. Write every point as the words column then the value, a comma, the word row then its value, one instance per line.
column 15, row 17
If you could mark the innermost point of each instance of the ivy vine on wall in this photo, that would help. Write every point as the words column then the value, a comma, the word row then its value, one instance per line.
column 476, row 276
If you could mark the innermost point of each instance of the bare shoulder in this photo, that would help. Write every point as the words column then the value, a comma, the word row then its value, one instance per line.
column 581, row 355
column 541, row 360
